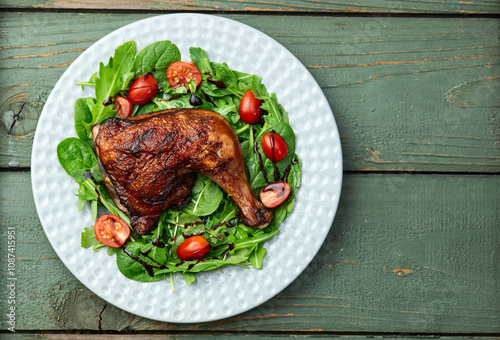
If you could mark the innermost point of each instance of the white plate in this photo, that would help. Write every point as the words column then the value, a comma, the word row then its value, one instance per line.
column 214, row 295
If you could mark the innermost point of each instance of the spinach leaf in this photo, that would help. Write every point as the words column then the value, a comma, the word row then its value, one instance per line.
column 275, row 111
column 159, row 254
column 156, row 58
column 206, row 196
column 200, row 60
column 294, row 178
column 113, row 77
column 146, row 108
column 83, row 114
column 221, row 72
column 76, row 157
column 133, row 269
column 281, row 212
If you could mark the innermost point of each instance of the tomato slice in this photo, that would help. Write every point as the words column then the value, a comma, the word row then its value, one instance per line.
column 274, row 146
column 250, row 109
column 193, row 248
column 111, row 230
column 180, row 72
column 123, row 107
column 273, row 194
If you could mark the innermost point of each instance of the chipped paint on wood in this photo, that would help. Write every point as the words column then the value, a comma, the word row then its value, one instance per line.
column 401, row 271
column 476, row 93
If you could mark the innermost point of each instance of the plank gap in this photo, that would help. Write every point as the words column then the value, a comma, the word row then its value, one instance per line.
column 338, row 14
column 262, row 333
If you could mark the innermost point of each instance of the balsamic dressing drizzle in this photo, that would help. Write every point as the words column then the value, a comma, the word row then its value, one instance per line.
column 286, row 170
column 219, row 83
column 229, row 223
column 108, row 101
column 186, row 236
column 157, row 243
column 259, row 157
column 229, row 248
column 276, row 172
column 148, row 267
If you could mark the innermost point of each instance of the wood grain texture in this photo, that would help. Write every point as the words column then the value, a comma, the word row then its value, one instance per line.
column 280, row 6
column 34, row 336
column 414, row 94
column 406, row 253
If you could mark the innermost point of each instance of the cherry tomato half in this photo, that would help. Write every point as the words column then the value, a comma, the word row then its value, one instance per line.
column 250, row 109
column 193, row 248
column 274, row 194
column 274, row 146
column 123, row 107
column 111, row 230
column 180, row 72
column 143, row 89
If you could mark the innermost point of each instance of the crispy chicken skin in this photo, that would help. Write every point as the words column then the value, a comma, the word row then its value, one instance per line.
column 149, row 163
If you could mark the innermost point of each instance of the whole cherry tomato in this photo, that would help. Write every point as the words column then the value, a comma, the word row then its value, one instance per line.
column 180, row 72
column 123, row 107
column 111, row 230
column 274, row 194
column 193, row 248
column 143, row 89
column 274, row 146
column 250, row 109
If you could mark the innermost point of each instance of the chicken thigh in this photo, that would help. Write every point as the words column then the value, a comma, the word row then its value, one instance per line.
column 149, row 163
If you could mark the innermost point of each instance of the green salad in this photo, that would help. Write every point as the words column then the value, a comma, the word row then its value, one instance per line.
column 211, row 214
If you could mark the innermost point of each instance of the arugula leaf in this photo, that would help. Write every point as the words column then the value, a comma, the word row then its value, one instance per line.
column 189, row 278
column 257, row 256
column 261, row 237
column 90, row 82
column 113, row 77
column 88, row 239
column 156, row 58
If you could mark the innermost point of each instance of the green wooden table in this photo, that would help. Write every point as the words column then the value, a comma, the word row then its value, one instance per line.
column 414, row 248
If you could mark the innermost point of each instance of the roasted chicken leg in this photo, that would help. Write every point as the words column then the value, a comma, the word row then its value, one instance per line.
column 149, row 163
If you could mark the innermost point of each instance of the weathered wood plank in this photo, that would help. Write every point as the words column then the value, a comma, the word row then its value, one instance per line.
column 31, row 336
column 281, row 6
column 408, row 94
column 406, row 253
